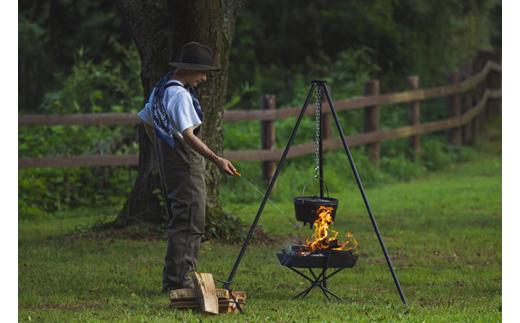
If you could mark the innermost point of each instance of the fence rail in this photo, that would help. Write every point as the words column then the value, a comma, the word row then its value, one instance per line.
column 462, row 125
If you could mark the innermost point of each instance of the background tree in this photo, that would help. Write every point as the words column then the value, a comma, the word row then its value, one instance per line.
column 159, row 29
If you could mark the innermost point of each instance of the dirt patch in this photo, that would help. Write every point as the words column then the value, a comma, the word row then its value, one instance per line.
column 144, row 232
column 151, row 232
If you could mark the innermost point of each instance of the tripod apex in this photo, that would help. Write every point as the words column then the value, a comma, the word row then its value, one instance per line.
column 318, row 82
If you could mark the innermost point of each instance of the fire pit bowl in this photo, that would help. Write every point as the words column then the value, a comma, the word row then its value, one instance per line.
column 306, row 207
column 299, row 258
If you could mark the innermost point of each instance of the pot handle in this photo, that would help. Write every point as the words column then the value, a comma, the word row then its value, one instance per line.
column 307, row 182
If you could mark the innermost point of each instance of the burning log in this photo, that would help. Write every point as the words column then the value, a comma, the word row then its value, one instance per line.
column 320, row 239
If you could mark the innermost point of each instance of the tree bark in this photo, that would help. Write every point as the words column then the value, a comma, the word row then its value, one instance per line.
column 159, row 29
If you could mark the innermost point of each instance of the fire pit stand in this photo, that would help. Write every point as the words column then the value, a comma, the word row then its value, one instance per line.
column 319, row 280
column 335, row 260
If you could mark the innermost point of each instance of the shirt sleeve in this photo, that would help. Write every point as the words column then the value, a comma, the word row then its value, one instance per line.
column 183, row 112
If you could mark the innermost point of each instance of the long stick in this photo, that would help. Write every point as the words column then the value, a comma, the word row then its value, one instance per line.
column 162, row 174
column 268, row 192
column 363, row 194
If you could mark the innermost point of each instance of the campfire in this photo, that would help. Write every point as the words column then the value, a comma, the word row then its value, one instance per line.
column 323, row 249
column 320, row 239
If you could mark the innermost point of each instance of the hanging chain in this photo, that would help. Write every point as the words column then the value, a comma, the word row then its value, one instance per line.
column 317, row 110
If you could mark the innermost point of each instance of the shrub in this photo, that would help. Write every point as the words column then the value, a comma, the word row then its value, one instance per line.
column 434, row 156
column 401, row 168
column 104, row 87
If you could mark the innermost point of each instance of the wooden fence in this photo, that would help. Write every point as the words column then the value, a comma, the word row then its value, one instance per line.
column 463, row 122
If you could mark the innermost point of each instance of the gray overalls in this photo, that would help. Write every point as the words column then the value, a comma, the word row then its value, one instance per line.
column 182, row 172
column 182, row 180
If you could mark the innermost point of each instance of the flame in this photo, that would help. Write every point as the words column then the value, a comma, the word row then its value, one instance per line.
column 320, row 239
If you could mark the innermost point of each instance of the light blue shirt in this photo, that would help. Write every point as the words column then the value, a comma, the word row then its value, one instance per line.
column 179, row 107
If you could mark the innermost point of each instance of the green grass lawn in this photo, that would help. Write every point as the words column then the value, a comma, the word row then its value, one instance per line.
column 443, row 232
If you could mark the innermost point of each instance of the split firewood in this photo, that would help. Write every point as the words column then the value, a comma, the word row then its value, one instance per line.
column 206, row 292
column 190, row 293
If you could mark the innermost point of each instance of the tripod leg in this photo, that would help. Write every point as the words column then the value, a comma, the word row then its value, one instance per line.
column 269, row 189
column 365, row 199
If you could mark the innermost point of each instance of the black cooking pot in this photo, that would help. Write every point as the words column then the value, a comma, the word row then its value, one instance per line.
column 306, row 207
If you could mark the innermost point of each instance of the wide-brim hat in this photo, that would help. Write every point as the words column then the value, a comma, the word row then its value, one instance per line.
column 195, row 57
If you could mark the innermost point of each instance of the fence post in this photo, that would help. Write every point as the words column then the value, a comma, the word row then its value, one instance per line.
column 467, row 131
column 268, row 136
column 415, row 117
column 454, row 109
column 482, row 117
column 476, row 125
column 371, row 115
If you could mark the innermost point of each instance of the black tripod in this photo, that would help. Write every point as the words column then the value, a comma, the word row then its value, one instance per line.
column 321, row 87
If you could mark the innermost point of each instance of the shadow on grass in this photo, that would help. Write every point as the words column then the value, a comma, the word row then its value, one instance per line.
column 153, row 232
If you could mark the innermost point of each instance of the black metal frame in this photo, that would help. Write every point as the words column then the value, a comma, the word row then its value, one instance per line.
column 317, row 281
column 321, row 279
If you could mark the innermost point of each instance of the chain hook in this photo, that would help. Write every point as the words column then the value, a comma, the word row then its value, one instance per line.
column 317, row 111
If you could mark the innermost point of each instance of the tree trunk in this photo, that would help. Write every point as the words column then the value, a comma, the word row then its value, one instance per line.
column 159, row 29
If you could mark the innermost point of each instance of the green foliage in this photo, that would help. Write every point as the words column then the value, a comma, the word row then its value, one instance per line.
column 401, row 168
column 30, row 212
column 276, row 42
column 50, row 32
column 91, row 87
column 239, row 135
column 436, row 155
column 347, row 73
column 55, row 189
column 104, row 87
column 107, row 86
column 35, row 61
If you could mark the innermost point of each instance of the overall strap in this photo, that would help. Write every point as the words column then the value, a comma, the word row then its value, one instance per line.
column 163, row 128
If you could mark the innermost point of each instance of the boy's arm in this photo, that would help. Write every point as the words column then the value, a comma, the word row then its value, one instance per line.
column 200, row 147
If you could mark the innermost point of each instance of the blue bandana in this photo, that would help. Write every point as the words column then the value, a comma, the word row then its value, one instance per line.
column 163, row 128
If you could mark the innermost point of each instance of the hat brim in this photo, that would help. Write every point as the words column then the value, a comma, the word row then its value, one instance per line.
column 195, row 67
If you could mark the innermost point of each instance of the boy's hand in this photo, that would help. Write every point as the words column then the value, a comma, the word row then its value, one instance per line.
column 227, row 167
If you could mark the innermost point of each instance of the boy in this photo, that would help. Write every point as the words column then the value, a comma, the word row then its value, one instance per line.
column 172, row 119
